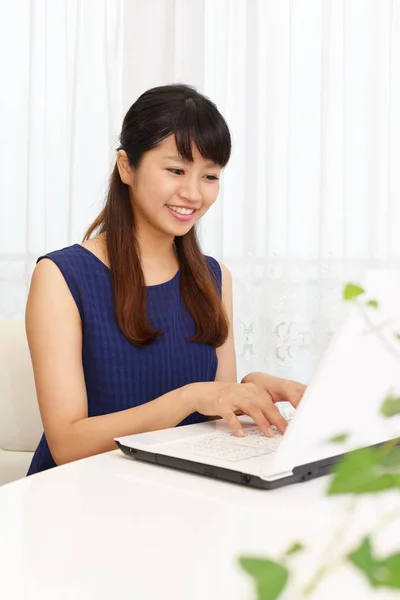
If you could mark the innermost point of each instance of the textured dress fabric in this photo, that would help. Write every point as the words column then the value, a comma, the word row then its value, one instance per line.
column 118, row 374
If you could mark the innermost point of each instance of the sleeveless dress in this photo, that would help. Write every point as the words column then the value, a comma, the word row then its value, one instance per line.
column 119, row 375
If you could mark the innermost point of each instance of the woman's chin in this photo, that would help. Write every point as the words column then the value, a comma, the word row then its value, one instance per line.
column 179, row 229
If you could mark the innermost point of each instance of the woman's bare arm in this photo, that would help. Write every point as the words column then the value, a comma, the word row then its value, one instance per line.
column 54, row 332
column 226, row 353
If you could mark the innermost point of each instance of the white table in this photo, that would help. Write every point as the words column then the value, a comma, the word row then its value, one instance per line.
column 110, row 527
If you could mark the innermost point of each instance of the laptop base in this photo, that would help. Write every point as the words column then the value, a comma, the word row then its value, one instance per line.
column 302, row 473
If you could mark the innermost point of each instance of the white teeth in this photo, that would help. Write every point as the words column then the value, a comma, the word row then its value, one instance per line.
column 182, row 211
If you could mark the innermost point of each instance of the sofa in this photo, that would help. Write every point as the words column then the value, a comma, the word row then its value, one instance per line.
column 20, row 423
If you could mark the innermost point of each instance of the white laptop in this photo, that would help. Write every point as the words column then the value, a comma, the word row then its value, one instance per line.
column 359, row 369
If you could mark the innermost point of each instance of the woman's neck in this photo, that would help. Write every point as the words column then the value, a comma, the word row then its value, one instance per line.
column 155, row 246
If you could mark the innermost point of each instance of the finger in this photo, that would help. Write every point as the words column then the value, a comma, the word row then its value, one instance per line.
column 233, row 423
column 260, row 419
column 270, row 413
column 273, row 415
column 301, row 389
column 294, row 393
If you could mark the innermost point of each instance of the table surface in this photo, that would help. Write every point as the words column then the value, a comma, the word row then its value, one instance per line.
column 110, row 526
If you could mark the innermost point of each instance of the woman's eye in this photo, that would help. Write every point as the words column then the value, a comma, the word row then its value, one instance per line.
column 182, row 172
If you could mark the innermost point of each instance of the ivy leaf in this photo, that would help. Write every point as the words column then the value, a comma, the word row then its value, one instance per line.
column 339, row 439
column 380, row 573
column 294, row 549
column 362, row 472
column 270, row 577
column 373, row 303
column 352, row 291
column 391, row 406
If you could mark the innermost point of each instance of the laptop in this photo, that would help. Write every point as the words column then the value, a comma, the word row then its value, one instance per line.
column 357, row 372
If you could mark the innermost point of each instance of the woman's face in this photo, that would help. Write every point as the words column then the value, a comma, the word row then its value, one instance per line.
column 167, row 192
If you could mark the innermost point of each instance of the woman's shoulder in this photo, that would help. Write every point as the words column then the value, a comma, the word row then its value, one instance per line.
column 59, row 253
column 78, row 254
column 218, row 268
column 80, row 266
column 97, row 246
column 213, row 264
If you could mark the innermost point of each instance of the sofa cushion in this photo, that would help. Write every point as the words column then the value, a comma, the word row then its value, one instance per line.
column 20, row 423
column 13, row 465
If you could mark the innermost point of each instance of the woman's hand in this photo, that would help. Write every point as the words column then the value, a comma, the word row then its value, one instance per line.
column 279, row 390
column 230, row 399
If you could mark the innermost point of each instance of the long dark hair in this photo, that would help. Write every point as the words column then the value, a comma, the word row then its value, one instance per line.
column 193, row 119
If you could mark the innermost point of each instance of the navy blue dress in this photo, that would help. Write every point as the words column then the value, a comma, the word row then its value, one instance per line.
column 119, row 375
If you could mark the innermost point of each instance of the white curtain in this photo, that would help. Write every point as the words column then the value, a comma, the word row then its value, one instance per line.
column 60, row 111
column 311, row 92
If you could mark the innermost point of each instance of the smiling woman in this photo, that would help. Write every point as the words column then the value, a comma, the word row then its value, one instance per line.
column 174, row 143
column 131, row 331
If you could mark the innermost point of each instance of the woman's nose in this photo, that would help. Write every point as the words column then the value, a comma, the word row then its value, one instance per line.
column 191, row 192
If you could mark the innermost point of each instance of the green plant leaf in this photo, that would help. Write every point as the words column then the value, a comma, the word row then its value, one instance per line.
column 270, row 577
column 390, row 406
column 391, row 462
column 387, row 572
column 352, row 291
column 362, row 557
column 339, row 439
column 397, row 336
column 380, row 573
column 294, row 549
column 361, row 472
column 373, row 303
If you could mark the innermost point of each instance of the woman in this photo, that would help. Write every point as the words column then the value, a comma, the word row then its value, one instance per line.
column 131, row 331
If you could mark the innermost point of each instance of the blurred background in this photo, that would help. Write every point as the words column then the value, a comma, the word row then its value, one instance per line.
column 311, row 197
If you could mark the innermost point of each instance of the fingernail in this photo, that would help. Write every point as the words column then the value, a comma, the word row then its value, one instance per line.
column 270, row 432
column 240, row 433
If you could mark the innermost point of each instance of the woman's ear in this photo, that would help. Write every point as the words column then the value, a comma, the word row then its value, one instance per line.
column 124, row 168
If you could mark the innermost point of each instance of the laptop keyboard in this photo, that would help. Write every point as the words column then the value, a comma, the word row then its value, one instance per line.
column 230, row 447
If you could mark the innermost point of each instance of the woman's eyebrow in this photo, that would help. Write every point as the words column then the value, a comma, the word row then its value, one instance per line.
column 176, row 157
column 183, row 160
